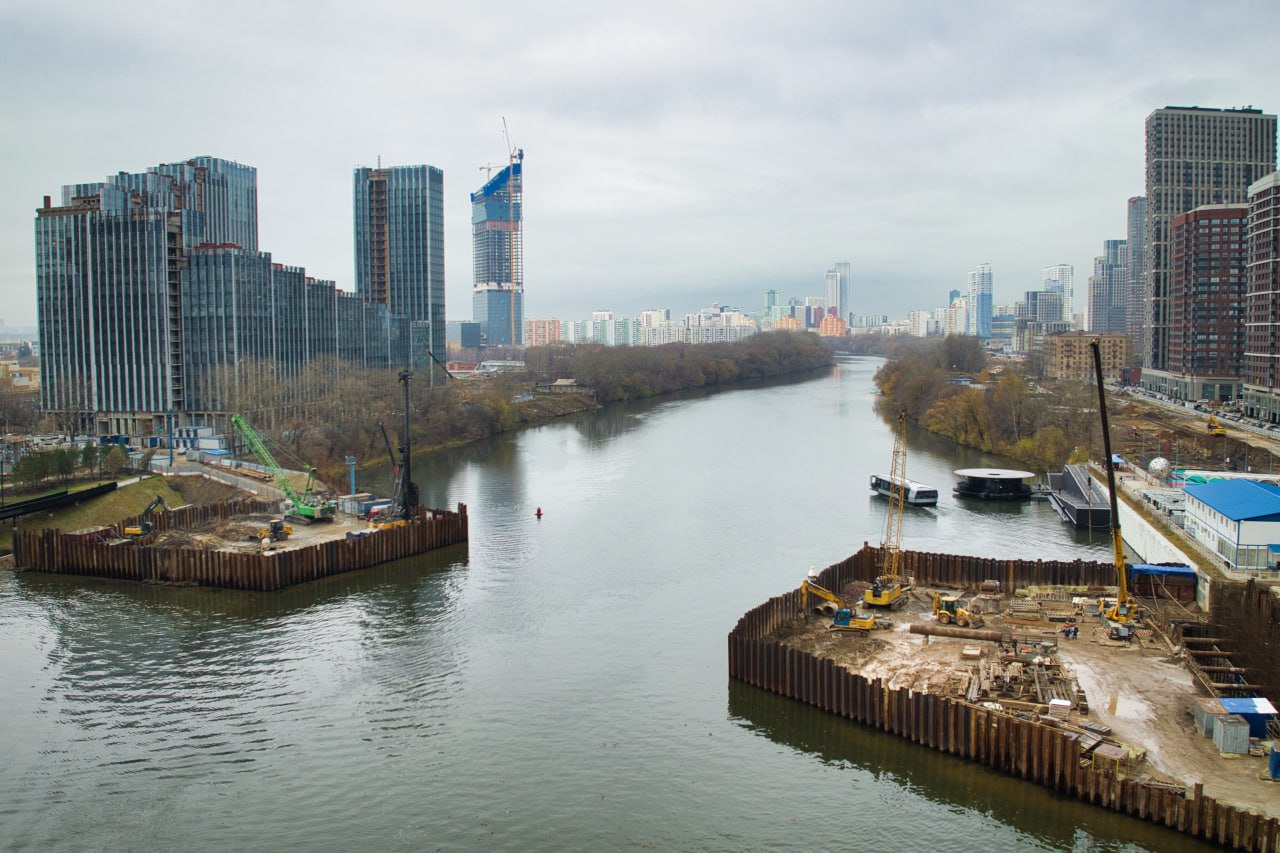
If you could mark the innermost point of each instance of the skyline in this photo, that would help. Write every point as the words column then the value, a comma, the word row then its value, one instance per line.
column 662, row 169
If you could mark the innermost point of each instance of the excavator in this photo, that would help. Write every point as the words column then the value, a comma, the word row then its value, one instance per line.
column 1215, row 426
column 1123, row 610
column 947, row 609
column 144, row 525
column 842, row 617
column 890, row 588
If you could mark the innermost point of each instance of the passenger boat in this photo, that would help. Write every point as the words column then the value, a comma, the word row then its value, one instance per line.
column 914, row 494
column 994, row 484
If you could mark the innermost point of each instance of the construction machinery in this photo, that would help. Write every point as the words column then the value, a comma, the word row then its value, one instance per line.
column 890, row 587
column 842, row 616
column 947, row 609
column 276, row 529
column 1123, row 609
column 1215, row 426
column 144, row 525
column 405, row 500
column 305, row 507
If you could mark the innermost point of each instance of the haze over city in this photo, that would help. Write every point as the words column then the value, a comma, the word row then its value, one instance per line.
column 675, row 155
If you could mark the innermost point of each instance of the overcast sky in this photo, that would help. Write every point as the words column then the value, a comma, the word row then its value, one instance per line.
column 676, row 153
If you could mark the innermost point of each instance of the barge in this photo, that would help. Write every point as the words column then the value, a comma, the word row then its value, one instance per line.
column 994, row 484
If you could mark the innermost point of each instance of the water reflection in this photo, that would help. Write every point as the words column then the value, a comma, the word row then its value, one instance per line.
column 967, row 790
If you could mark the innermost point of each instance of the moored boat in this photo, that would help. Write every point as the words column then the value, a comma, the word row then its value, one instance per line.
column 913, row 494
column 994, row 484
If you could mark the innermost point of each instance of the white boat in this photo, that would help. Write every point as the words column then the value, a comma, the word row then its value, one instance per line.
column 914, row 494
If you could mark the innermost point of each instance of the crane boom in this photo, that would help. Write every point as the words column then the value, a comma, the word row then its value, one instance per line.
column 305, row 506
column 1125, row 607
column 890, row 587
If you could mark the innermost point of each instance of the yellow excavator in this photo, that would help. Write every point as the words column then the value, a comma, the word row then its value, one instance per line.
column 144, row 525
column 1215, row 426
column 890, row 589
column 947, row 609
column 1123, row 610
column 842, row 617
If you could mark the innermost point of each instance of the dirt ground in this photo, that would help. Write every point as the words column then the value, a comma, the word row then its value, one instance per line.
column 1139, row 689
column 1141, row 429
column 241, row 534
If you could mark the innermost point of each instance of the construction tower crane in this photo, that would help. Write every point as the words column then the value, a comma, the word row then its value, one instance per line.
column 890, row 587
column 306, row 507
column 1124, row 609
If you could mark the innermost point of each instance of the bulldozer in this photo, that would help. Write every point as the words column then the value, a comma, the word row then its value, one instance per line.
column 276, row 530
column 947, row 609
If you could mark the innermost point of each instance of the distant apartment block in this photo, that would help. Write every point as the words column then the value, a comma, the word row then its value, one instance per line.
column 153, row 298
column 980, row 302
column 497, row 247
column 1108, row 288
column 1060, row 279
column 839, row 281
column 1069, row 355
column 1260, row 368
column 1206, row 302
column 1136, row 270
column 1195, row 156
column 540, row 333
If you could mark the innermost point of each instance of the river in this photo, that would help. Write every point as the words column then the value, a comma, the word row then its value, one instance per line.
column 557, row 684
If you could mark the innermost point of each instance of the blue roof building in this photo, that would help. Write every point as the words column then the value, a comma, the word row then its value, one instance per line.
column 1239, row 520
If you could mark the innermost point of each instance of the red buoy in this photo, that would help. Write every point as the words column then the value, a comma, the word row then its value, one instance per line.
column 538, row 513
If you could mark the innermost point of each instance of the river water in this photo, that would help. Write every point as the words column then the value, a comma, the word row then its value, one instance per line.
column 554, row 685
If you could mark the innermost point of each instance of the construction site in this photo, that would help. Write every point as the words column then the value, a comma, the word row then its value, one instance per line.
column 1103, row 682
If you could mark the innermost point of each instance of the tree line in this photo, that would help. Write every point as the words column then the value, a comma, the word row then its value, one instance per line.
column 631, row 373
column 999, row 411
column 323, row 415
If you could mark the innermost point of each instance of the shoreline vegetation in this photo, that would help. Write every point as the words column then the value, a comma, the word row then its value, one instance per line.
column 322, row 429
column 953, row 389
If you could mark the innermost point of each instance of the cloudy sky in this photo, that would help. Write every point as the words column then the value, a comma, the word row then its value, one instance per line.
column 676, row 153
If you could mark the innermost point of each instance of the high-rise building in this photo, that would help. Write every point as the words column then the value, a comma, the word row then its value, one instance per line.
column 153, row 300
column 978, row 322
column 839, row 281
column 398, row 214
column 1208, row 248
column 1195, row 156
column 1261, row 364
column 1060, row 278
column 1136, row 270
column 1107, row 288
column 497, row 248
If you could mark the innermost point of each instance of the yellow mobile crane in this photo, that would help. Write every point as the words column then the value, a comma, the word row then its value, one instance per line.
column 890, row 588
column 842, row 617
column 1124, row 609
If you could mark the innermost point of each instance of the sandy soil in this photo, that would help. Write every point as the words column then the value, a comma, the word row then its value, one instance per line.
column 1139, row 689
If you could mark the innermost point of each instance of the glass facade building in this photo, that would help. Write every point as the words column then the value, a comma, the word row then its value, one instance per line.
column 153, row 299
column 497, row 245
column 398, row 214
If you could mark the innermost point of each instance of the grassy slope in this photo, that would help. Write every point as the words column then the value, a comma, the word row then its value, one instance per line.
column 128, row 501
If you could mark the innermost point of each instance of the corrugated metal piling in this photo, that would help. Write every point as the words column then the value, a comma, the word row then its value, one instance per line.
column 59, row 553
column 1025, row 749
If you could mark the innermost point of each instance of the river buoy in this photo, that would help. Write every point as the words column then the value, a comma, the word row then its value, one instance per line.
column 538, row 512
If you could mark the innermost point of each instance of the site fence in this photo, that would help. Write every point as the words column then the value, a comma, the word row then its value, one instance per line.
column 1023, row 748
column 135, row 559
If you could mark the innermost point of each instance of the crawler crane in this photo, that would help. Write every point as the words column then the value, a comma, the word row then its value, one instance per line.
column 890, row 588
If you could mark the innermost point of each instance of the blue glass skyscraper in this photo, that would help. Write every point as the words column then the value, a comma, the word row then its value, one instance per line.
column 497, row 245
